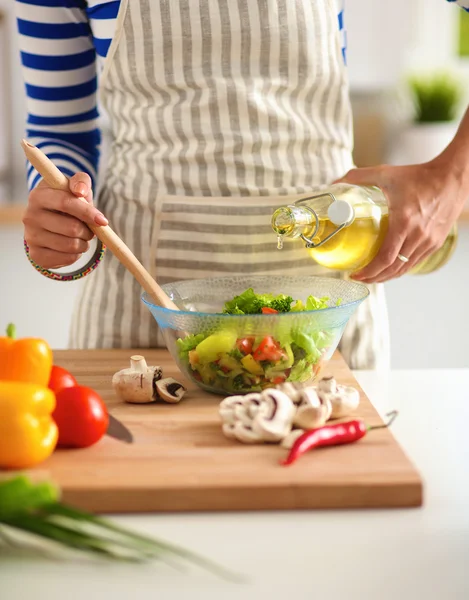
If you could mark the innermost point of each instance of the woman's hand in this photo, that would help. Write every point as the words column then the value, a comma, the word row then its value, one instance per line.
column 55, row 222
column 424, row 202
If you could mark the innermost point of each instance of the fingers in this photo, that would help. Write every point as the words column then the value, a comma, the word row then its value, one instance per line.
column 50, row 259
column 387, row 254
column 54, row 241
column 57, row 223
column 81, row 186
column 63, row 202
column 399, row 267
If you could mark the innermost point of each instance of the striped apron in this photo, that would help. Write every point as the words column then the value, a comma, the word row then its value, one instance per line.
column 220, row 110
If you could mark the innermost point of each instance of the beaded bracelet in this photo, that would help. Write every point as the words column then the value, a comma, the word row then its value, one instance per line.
column 90, row 266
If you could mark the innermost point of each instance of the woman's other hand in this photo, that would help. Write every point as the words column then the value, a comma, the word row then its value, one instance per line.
column 55, row 222
column 424, row 202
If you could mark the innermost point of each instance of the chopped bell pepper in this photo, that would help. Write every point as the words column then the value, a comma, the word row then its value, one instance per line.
column 27, row 360
column 28, row 433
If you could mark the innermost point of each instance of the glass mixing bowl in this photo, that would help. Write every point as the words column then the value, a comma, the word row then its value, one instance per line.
column 237, row 354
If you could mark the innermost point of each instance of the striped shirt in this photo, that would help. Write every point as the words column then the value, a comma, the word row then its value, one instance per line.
column 63, row 45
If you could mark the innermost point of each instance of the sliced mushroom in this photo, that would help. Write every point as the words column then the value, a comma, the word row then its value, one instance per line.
column 312, row 411
column 241, row 414
column 291, row 438
column 226, row 409
column 137, row 384
column 170, row 390
column 254, row 404
column 292, row 390
column 228, row 430
column 343, row 401
column 245, row 433
column 327, row 385
column 275, row 422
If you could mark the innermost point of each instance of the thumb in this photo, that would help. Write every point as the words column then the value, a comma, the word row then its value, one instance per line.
column 80, row 185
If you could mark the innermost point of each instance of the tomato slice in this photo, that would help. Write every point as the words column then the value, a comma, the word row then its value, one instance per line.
column 269, row 311
column 278, row 380
column 269, row 350
column 245, row 345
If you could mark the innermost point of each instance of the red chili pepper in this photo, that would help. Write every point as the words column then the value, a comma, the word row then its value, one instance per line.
column 333, row 435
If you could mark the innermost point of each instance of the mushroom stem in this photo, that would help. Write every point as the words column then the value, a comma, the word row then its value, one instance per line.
column 138, row 363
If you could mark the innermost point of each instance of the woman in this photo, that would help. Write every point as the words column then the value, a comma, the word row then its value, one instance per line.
column 219, row 111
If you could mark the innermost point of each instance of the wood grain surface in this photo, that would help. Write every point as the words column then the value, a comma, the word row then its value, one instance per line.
column 181, row 461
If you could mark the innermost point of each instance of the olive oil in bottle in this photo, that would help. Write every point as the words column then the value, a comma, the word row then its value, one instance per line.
column 343, row 228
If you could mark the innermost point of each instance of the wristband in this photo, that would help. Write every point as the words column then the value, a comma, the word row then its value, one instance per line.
column 90, row 266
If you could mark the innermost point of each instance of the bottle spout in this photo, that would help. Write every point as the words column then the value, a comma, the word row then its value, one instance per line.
column 283, row 221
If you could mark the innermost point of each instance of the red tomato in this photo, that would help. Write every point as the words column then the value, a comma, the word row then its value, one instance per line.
column 81, row 417
column 60, row 378
column 269, row 311
column 278, row 380
column 269, row 350
column 245, row 345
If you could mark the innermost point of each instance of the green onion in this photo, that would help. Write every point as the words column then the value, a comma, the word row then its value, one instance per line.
column 35, row 508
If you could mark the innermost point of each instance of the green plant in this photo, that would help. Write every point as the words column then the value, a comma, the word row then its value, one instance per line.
column 436, row 97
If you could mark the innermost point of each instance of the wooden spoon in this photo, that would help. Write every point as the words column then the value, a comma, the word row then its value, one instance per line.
column 57, row 180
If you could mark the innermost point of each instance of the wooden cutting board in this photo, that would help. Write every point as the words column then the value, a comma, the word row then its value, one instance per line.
column 181, row 461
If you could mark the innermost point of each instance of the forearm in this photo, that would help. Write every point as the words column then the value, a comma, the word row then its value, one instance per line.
column 455, row 158
column 58, row 64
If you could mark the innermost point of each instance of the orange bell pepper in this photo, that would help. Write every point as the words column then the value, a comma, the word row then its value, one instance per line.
column 28, row 433
column 28, row 360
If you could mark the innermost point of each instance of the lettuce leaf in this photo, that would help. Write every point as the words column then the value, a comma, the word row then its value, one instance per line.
column 185, row 345
column 250, row 303
column 301, row 371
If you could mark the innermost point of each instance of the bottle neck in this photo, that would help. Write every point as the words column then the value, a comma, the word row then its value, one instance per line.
column 293, row 220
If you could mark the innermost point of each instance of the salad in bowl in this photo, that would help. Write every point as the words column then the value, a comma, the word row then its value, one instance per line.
column 239, row 335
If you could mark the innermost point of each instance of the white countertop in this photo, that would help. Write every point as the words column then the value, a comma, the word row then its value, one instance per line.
column 409, row 554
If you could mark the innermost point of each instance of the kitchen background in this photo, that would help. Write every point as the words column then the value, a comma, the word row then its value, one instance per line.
column 386, row 41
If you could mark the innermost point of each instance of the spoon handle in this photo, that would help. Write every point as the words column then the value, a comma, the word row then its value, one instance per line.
column 57, row 180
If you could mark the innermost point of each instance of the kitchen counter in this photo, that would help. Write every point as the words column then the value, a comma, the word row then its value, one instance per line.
column 367, row 555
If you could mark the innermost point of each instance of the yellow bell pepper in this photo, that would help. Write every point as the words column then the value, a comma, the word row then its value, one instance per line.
column 251, row 365
column 28, row 434
column 28, row 360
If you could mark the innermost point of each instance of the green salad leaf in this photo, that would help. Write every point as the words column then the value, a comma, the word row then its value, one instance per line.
column 185, row 345
column 250, row 303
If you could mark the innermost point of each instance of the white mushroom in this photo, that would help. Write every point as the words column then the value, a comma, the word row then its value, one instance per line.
column 246, row 434
column 170, row 390
column 228, row 430
column 254, row 404
column 312, row 411
column 226, row 408
column 327, row 385
column 344, row 400
column 275, row 422
column 137, row 384
column 241, row 414
column 292, row 390
column 291, row 438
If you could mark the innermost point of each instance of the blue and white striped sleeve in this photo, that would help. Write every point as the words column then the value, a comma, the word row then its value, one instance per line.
column 59, row 70
column 462, row 3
